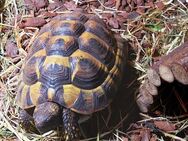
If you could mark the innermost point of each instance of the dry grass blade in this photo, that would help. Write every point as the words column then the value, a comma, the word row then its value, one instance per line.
column 8, row 125
column 155, row 33
column 181, row 124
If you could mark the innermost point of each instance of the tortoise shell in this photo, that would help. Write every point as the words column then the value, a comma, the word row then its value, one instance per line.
column 75, row 61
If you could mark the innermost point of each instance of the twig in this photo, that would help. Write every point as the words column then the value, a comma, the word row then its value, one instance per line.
column 9, row 126
column 108, row 8
column 173, row 136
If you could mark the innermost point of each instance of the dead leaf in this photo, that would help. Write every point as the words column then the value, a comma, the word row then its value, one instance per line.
column 32, row 22
column 70, row 5
column 36, row 4
column 11, row 49
column 110, row 3
column 165, row 125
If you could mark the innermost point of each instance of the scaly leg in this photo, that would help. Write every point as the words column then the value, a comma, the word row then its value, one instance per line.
column 71, row 127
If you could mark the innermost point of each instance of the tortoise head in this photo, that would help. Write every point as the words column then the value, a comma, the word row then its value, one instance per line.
column 47, row 116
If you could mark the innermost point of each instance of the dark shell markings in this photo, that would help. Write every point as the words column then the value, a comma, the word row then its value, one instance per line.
column 74, row 61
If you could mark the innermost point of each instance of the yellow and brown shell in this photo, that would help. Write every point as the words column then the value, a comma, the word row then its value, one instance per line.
column 75, row 61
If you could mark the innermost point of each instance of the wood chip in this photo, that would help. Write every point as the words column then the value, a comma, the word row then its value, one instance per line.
column 36, row 4
column 113, row 22
column 165, row 125
column 32, row 22
column 11, row 49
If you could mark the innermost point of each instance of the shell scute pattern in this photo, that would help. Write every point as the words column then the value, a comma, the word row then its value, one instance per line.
column 98, row 48
column 88, row 73
column 68, row 27
column 62, row 45
column 84, row 103
column 76, row 17
column 39, row 45
column 30, row 71
column 74, row 61
column 52, row 78
column 101, row 32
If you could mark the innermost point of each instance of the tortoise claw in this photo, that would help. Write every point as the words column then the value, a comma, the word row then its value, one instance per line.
column 26, row 121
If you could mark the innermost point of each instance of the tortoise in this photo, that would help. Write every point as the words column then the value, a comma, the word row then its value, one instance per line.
column 73, row 68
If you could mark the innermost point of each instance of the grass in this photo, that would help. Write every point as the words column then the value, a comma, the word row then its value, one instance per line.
column 161, row 31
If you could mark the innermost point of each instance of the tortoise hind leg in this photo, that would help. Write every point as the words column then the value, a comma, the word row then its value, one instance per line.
column 71, row 127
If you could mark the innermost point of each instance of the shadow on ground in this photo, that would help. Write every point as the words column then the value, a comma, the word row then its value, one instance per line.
column 121, row 113
column 172, row 99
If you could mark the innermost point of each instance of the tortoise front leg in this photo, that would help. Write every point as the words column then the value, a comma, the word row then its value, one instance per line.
column 71, row 127
column 26, row 121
